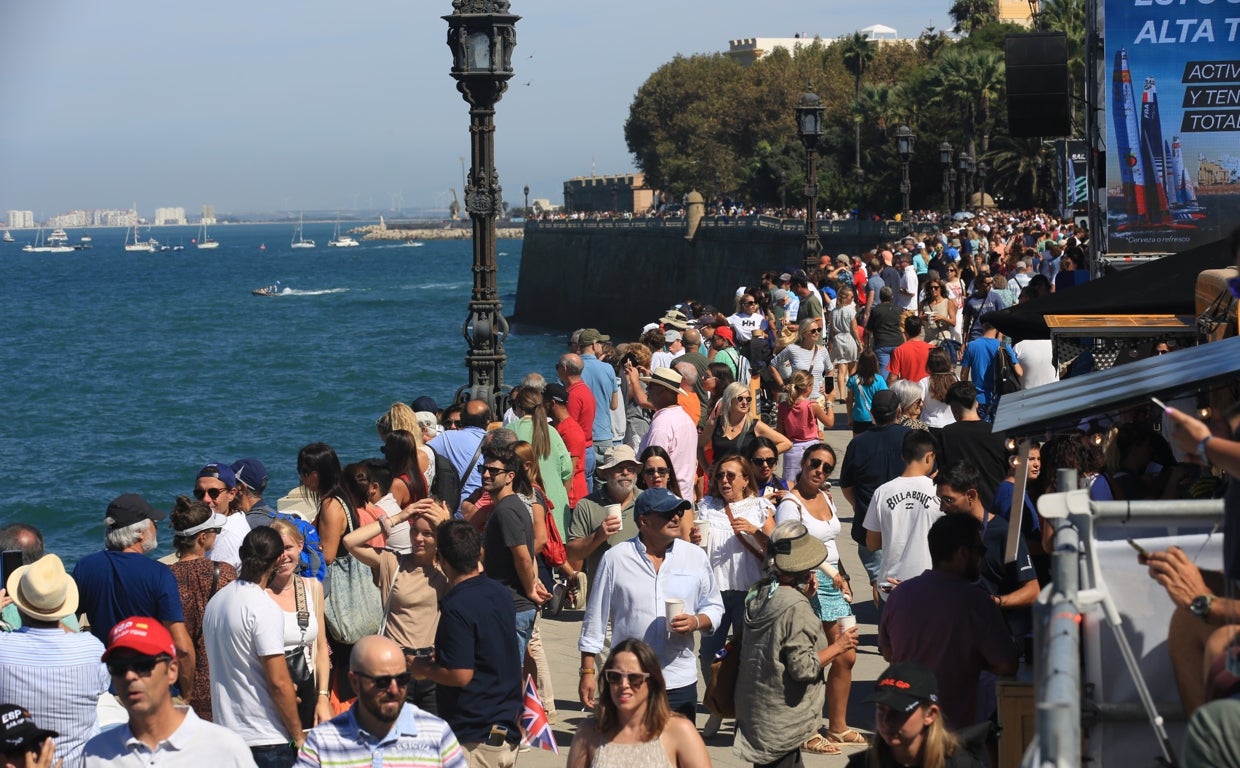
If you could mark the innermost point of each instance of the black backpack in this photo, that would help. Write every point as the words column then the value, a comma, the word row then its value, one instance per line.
column 447, row 485
column 1003, row 371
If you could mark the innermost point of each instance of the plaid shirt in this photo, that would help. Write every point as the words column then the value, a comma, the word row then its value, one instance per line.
column 417, row 739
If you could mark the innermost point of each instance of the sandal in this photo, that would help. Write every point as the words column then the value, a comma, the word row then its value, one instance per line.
column 848, row 736
column 819, row 745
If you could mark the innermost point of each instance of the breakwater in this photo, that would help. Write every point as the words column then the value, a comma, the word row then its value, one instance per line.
column 378, row 232
column 619, row 275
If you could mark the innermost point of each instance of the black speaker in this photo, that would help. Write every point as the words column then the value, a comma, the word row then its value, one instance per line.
column 1038, row 100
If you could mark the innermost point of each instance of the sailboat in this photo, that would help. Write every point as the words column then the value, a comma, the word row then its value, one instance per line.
column 39, row 246
column 298, row 240
column 138, row 244
column 341, row 241
column 205, row 242
column 8, row 236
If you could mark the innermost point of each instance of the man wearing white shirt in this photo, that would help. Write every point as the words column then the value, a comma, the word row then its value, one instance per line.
column 673, row 348
column 631, row 586
column 901, row 512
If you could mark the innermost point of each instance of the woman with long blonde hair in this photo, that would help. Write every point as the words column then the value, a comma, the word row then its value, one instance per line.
column 734, row 426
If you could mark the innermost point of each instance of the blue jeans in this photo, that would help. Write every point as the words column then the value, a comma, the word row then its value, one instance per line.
column 591, row 464
column 733, row 615
column 884, row 359
column 274, row 756
column 872, row 562
column 684, row 701
column 525, row 629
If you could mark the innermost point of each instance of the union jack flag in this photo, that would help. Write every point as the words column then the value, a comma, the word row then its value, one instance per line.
column 538, row 731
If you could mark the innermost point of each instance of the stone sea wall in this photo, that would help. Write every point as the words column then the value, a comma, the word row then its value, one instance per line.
column 374, row 232
column 620, row 276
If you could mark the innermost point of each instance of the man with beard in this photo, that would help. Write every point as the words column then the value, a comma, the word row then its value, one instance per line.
column 592, row 532
column 380, row 726
column 122, row 581
column 944, row 621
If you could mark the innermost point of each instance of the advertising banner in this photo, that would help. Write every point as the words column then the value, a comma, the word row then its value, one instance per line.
column 1173, row 123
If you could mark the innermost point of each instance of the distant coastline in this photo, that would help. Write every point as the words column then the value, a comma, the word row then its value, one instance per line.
column 375, row 232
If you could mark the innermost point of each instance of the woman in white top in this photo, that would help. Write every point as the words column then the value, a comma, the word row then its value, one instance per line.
column 808, row 504
column 311, row 639
column 934, row 411
column 805, row 355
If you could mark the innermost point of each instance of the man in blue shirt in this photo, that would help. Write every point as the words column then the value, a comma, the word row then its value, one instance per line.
column 601, row 379
column 463, row 447
column 977, row 365
column 380, row 728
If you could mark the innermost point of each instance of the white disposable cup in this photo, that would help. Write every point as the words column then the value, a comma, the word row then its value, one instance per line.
column 846, row 623
column 673, row 607
column 613, row 510
column 703, row 527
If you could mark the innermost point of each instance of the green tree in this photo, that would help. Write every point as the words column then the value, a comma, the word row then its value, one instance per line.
column 857, row 52
column 1022, row 170
column 974, row 80
column 970, row 15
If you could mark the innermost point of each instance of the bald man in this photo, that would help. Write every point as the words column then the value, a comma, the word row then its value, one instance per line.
column 381, row 723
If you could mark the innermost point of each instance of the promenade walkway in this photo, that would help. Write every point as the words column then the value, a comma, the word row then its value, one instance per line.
column 560, row 640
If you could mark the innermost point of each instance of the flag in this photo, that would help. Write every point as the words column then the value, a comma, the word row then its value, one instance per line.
column 538, row 731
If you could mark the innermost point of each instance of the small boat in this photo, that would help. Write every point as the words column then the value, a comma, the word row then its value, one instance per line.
column 341, row 241
column 58, row 237
column 85, row 239
column 269, row 290
column 8, row 236
column 412, row 244
column 262, row 247
column 298, row 240
column 138, row 244
column 205, row 241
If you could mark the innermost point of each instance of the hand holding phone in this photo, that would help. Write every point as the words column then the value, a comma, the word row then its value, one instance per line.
column 1160, row 404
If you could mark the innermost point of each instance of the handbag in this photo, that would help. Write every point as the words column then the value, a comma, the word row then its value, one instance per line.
column 298, row 665
column 353, row 608
column 553, row 553
column 720, row 696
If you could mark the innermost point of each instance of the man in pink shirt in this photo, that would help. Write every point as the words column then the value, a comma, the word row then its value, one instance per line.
column 671, row 428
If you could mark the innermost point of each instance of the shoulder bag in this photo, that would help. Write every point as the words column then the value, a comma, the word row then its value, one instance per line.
column 720, row 696
column 352, row 608
column 298, row 664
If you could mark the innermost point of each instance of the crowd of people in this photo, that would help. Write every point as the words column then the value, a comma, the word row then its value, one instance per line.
column 677, row 490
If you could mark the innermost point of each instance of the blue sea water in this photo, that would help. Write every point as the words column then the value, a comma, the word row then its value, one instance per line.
column 126, row 372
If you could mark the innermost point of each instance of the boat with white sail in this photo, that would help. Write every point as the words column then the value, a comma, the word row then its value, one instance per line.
column 299, row 241
column 341, row 241
column 205, row 241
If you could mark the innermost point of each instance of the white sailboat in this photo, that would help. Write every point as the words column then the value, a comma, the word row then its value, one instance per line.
column 8, row 236
column 205, row 241
column 138, row 244
column 341, row 241
column 298, row 240
column 39, row 246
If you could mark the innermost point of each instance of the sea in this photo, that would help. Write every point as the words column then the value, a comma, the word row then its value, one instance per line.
column 127, row 372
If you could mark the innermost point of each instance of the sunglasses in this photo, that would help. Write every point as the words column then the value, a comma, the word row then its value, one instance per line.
column 485, row 471
column 660, row 471
column 729, row 476
column 815, row 330
column 675, row 513
column 143, row 666
column 634, row 679
column 201, row 493
column 385, row 681
column 767, row 462
column 452, row 423
column 744, row 399
column 816, row 463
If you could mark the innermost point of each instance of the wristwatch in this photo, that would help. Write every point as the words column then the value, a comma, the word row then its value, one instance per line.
column 1200, row 606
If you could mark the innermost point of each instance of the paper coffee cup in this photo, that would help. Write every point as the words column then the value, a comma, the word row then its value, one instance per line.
column 613, row 510
column 673, row 607
column 703, row 527
column 846, row 623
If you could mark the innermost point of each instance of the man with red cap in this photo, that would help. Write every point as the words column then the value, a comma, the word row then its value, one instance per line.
column 723, row 350
column 142, row 661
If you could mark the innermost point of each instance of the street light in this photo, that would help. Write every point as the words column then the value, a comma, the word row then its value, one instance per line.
column 981, row 175
column 858, row 183
column 481, row 35
column 809, row 125
column 962, row 162
column 904, row 147
column 526, row 190
column 783, row 200
column 945, row 158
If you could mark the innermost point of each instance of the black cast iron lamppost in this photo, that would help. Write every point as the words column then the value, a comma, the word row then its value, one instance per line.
column 981, row 176
column 482, row 34
column 962, row 161
column 904, row 147
column 945, row 158
column 809, row 125
column 526, row 190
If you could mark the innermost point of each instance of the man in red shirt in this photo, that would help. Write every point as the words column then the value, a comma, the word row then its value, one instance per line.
column 908, row 361
column 581, row 403
column 556, row 398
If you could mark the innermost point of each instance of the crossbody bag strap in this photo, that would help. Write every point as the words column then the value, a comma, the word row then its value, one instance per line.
column 727, row 508
column 215, row 578
column 303, row 612
column 469, row 468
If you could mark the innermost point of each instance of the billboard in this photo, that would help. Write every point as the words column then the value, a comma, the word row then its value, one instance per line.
column 1173, row 123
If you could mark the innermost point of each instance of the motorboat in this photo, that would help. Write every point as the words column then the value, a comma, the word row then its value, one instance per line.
column 205, row 241
column 341, row 241
column 268, row 290
column 412, row 244
column 58, row 237
column 299, row 241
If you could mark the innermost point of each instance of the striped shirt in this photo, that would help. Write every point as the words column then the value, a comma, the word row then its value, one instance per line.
column 57, row 675
column 417, row 739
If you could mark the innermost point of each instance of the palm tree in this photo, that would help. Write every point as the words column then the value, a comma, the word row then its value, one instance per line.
column 1068, row 16
column 973, row 14
column 1019, row 168
column 974, row 79
column 858, row 52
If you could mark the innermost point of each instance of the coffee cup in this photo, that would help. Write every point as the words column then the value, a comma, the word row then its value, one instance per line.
column 673, row 607
column 703, row 527
column 846, row 623
column 613, row 510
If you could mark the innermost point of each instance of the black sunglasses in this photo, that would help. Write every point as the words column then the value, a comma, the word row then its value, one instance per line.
column 143, row 666
column 634, row 679
column 385, row 681
column 816, row 463
column 201, row 493
column 768, row 462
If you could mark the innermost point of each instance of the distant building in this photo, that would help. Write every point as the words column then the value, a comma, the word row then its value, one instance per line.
column 208, row 214
column 70, row 219
column 169, row 216
column 21, row 219
column 621, row 193
column 747, row 50
column 1018, row 11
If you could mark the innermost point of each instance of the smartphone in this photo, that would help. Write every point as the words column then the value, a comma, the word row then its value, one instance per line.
column 10, row 560
column 1159, row 403
column 1140, row 549
column 886, row 587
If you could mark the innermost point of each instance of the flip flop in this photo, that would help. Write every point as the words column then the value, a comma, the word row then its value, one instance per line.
column 819, row 745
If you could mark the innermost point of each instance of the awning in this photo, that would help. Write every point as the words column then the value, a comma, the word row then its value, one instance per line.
column 1167, row 286
column 1064, row 403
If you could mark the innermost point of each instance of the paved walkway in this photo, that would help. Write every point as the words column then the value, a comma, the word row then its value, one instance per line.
column 560, row 640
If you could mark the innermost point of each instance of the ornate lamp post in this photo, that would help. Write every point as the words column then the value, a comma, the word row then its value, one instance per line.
column 981, row 176
column 858, row 183
column 482, row 34
column 904, row 147
column 783, row 199
column 809, row 126
column 945, row 158
column 526, row 190
column 962, row 162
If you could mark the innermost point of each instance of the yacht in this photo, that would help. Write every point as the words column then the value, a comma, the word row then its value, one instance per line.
column 138, row 244
column 341, row 241
column 39, row 246
column 58, row 237
column 299, row 241
column 205, row 241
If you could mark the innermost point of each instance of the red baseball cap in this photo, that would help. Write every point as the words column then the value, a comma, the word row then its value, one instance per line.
column 141, row 634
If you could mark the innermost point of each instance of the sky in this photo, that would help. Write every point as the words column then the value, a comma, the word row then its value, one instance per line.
column 278, row 105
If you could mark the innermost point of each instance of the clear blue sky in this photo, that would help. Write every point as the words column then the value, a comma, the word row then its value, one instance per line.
column 313, row 104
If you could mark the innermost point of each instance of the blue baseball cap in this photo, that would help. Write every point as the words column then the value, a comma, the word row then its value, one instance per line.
column 251, row 473
column 659, row 501
column 221, row 472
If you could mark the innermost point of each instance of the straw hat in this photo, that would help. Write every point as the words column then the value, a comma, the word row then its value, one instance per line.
column 798, row 554
column 43, row 590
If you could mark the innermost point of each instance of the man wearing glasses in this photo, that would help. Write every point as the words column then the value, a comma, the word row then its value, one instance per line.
column 141, row 660
column 592, row 531
column 216, row 486
column 659, row 589
column 380, row 727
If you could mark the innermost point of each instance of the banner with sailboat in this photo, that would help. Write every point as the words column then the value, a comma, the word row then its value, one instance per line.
column 1173, row 124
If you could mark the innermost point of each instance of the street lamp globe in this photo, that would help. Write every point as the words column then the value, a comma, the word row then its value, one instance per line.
column 810, row 114
column 945, row 153
column 904, row 142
